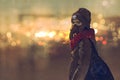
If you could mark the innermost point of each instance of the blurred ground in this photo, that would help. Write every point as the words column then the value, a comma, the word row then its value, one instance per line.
column 18, row 63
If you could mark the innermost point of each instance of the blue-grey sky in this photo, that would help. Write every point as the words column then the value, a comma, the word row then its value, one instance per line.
column 106, row 7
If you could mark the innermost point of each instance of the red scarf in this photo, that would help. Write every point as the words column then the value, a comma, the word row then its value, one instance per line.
column 81, row 35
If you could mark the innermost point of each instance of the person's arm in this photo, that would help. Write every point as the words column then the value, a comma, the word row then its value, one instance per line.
column 81, row 52
column 85, row 49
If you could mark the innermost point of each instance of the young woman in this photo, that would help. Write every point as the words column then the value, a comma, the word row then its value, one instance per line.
column 85, row 58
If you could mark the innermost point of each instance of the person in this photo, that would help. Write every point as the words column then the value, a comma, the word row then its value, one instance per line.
column 84, row 55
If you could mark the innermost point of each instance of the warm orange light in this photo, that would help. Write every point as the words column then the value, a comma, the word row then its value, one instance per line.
column 61, row 35
column 104, row 42
column 52, row 34
column 96, row 31
column 41, row 34
column 95, row 24
column 101, row 38
column 97, row 38
column 13, row 43
column 9, row 34
column 28, row 34
column 41, row 43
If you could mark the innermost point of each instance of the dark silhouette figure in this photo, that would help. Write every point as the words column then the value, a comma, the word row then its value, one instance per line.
column 86, row 63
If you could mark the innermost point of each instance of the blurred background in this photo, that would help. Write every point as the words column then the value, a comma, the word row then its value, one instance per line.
column 34, row 43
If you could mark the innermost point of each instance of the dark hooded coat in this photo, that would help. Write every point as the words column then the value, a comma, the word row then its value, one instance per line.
column 86, row 63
